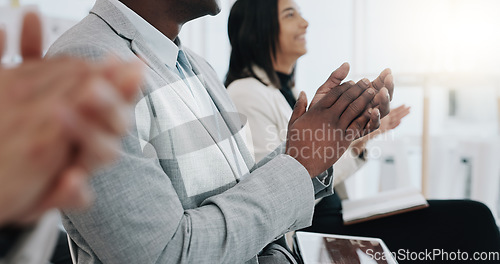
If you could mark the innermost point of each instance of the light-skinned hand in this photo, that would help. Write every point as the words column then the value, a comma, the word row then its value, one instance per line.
column 59, row 119
column 389, row 122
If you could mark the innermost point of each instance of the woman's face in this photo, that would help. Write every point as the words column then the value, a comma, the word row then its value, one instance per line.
column 293, row 27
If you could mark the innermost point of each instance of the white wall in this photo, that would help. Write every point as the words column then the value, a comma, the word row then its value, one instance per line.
column 445, row 45
column 207, row 36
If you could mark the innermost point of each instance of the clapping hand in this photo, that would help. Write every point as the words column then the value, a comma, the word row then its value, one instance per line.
column 344, row 111
column 383, row 84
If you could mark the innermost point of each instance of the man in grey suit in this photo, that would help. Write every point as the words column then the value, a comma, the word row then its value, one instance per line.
column 186, row 188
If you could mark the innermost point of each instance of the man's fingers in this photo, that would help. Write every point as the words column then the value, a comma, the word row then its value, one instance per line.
column 378, row 83
column 333, row 81
column 333, row 95
column 299, row 109
column 385, row 79
column 381, row 101
column 31, row 37
column 351, row 95
column 374, row 122
column 339, row 75
column 355, row 108
column 2, row 42
column 389, row 84
column 358, row 126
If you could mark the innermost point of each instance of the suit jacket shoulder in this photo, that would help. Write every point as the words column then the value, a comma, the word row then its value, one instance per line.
column 89, row 39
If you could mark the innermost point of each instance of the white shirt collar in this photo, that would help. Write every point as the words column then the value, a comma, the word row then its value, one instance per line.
column 160, row 44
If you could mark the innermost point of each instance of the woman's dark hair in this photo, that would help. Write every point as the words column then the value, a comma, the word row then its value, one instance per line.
column 253, row 30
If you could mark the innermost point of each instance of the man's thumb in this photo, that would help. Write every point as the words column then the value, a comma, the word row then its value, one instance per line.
column 299, row 109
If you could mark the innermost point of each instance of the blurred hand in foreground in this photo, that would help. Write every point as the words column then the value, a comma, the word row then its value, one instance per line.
column 59, row 119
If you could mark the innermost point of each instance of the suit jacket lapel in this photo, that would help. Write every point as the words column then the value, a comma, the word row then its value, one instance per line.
column 234, row 121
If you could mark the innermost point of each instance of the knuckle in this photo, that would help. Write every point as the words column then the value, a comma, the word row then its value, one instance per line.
column 356, row 126
column 336, row 93
column 344, row 87
column 363, row 84
column 352, row 133
column 348, row 96
column 354, row 108
column 380, row 79
column 335, row 118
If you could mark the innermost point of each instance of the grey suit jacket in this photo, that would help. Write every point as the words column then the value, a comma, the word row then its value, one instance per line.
column 174, row 196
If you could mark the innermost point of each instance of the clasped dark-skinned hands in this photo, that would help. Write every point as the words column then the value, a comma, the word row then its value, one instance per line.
column 338, row 114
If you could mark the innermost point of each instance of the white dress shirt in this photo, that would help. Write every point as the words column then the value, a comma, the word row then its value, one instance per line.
column 173, row 56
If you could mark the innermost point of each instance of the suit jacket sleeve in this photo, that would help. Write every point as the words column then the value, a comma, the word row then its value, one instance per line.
column 138, row 218
column 268, row 125
column 322, row 184
column 347, row 166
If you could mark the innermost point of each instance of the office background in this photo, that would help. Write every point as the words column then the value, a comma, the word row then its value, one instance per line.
column 445, row 58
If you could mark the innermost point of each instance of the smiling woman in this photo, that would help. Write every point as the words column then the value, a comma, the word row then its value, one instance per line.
column 260, row 81
column 292, row 36
column 251, row 47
